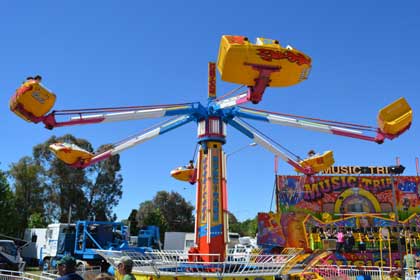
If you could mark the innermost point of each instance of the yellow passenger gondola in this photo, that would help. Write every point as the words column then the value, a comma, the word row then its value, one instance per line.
column 238, row 60
column 318, row 163
column 184, row 174
column 70, row 153
column 32, row 101
column 396, row 117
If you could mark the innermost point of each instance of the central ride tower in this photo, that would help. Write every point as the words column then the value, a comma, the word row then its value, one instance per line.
column 211, row 224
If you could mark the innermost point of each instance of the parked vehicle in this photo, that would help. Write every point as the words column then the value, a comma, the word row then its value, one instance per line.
column 178, row 241
column 233, row 239
column 10, row 257
column 81, row 240
column 149, row 237
column 36, row 238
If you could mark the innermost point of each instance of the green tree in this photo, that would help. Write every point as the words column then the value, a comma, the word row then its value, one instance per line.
column 149, row 214
column 249, row 227
column 106, row 190
column 89, row 193
column 8, row 208
column 177, row 211
column 133, row 223
column 234, row 225
column 29, row 191
column 36, row 220
column 169, row 211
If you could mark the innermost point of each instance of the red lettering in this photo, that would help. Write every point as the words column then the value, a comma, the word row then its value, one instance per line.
column 236, row 39
column 270, row 55
column 212, row 80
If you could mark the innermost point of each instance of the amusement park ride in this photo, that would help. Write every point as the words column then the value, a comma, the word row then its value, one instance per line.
column 265, row 63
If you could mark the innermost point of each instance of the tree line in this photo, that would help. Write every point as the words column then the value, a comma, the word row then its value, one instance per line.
column 44, row 190
column 41, row 189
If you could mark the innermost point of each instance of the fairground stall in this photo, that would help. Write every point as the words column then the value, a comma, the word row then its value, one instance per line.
column 375, row 208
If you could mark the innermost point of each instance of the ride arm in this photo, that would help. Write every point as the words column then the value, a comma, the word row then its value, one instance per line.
column 91, row 116
column 230, row 102
column 261, row 140
column 326, row 126
column 254, row 93
column 136, row 140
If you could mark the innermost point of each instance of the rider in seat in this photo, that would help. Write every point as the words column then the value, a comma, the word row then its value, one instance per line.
column 190, row 165
column 311, row 153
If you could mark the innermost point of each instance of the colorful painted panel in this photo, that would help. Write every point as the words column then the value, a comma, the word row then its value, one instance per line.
column 343, row 201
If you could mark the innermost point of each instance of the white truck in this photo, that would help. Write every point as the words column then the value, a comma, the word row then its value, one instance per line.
column 43, row 243
column 178, row 241
column 36, row 238
column 80, row 240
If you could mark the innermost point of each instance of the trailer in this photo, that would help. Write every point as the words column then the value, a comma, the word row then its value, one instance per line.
column 36, row 238
column 81, row 240
column 178, row 241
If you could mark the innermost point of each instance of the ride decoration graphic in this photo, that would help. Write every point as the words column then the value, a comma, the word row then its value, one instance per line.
column 270, row 55
column 337, row 201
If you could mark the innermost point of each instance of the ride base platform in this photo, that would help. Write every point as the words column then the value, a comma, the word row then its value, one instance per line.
column 165, row 265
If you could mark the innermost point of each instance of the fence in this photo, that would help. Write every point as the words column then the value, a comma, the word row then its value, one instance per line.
column 412, row 274
column 88, row 273
column 334, row 272
column 176, row 263
column 19, row 275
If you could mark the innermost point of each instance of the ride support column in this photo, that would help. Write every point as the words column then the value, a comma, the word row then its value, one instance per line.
column 211, row 215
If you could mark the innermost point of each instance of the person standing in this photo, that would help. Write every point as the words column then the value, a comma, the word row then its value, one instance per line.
column 125, row 267
column 340, row 240
column 67, row 269
column 361, row 241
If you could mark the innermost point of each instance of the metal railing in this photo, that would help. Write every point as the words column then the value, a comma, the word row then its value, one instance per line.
column 180, row 263
column 19, row 275
column 88, row 273
column 412, row 274
column 334, row 272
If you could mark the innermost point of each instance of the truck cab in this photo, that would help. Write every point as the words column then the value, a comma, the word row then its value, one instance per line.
column 149, row 237
column 58, row 243
column 10, row 256
column 81, row 240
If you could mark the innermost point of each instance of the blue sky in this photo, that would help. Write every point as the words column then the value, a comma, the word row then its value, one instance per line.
column 126, row 53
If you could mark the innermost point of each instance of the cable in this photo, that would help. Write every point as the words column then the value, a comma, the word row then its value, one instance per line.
column 272, row 194
column 230, row 93
column 195, row 152
column 272, row 140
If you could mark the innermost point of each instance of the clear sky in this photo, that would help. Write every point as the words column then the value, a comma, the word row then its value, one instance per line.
column 124, row 53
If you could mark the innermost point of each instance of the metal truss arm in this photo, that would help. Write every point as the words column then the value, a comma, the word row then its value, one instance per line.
column 92, row 116
column 136, row 140
column 262, row 140
column 331, row 127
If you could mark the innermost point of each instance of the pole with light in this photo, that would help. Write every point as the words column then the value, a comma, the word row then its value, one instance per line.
column 396, row 170
column 253, row 144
